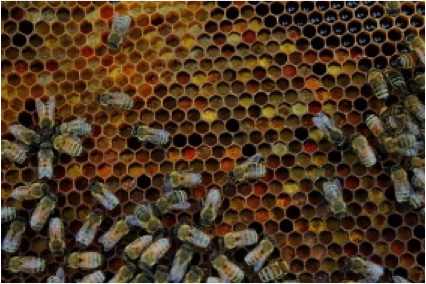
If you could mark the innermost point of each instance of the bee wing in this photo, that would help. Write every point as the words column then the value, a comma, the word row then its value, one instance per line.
column 40, row 107
column 168, row 184
column 181, row 206
column 320, row 124
column 114, row 19
column 338, row 184
column 60, row 274
column 51, row 106
column 261, row 262
column 223, row 278
column 253, row 160
column 134, row 221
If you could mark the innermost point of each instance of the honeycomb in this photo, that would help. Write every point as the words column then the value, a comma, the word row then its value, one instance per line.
column 227, row 80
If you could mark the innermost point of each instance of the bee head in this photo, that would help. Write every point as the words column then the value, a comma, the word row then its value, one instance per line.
column 114, row 41
column 355, row 264
column 339, row 209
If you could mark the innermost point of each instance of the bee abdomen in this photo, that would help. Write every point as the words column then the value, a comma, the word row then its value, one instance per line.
column 406, row 140
column 8, row 214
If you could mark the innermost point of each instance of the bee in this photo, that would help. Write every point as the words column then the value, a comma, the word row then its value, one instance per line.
column 13, row 151
column 192, row 235
column 13, row 238
column 8, row 214
column 242, row 238
column 410, row 60
column 154, row 252
column 143, row 277
column 77, row 127
column 260, row 253
column 135, row 248
column 211, row 205
column 363, row 150
column 414, row 162
column 378, row 83
column 394, row 79
column 180, row 263
column 174, row 200
column 94, row 277
column 393, row 8
column 115, row 100
column 114, row 234
column 420, row 81
column 418, row 179
column 404, row 141
column 41, row 213
column 68, row 144
column 399, row 279
column 56, row 235
column 119, row 27
column 375, row 125
column 401, row 185
column 273, row 271
column 59, row 277
column 30, row 191
column 333, row 194
column 392, row 126
column 411, row 126
column 46, row 114
column 146, row 134
column 250, row 169
column 102, row 193
column 84, row 260
column 329, row 128
column 194, row 275
column 177, row 179
column 211, row 279
column 45, row 160
column 124, row 274
column 87, row 232
column 145, row 214
column 415, row 107
column 228, row 271
column 371, row 271
column 26, row 264
column 417, row 201
column 417, row 45
column 161, row 274
column 25, row 135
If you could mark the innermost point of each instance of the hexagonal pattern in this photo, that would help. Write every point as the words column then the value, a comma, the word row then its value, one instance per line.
column 227, row 80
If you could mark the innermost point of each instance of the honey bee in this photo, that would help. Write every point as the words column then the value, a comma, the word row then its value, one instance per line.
column 143, row 277
column 177, row 179
column 417, row 201
column 146, row 134
column 329, row 128
column 26, row 264
column 46, row 114
column 161, row 274
column 175, row 200
column 211, row 205
column 260, row 253
column 13, row 151
column 180, row 263
column 84, row 260
column 41, row 213
column 415, row 107
column 418, row 179
column 145, row 214
column 242, row 238
column 273, row 271
column 135, row 248
column 410, row 60
column 392, row 126
column 154, row 252
column 87, row 232
column 399, row 279
column 394, row 78
column 378, row 83
column 192, row 235
column 228, row 271
column 8, row 214
column 411, row 126
column 401, row 185
column 420, row 81
column 45, row 160
column 393, row 8
column 375, row 125
column 102, row 193
column 94, row 277
column 25, row 135
column 333, row 194
column 371, row 271
column 114, row 234
column 59, row 277
column 363, row 150
column 417, row 45
column 124, row 274
column 250, row 169
column 414, row 162
column 404, row 141
column 30, row 191
column 115, row 100
column 68, row 144
column 13, row 238
column 211, row 279
column 194, row 275
column 119, row 27
column 77, row 127
column 56, row 235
